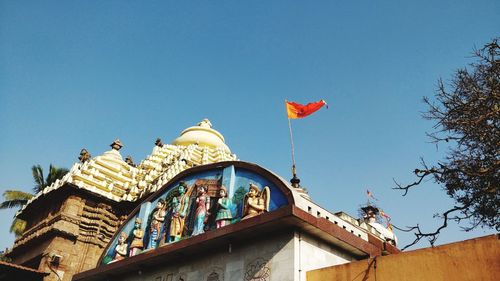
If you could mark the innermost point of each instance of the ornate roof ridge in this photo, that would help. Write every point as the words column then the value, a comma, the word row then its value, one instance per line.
column 108, row 175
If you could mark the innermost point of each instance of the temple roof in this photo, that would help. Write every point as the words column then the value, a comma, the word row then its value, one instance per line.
column 284, row 208
column 108, row 175
column 203, row 135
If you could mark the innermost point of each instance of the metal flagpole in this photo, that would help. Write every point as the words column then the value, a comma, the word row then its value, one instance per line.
column 293, row 149
column 295, row 181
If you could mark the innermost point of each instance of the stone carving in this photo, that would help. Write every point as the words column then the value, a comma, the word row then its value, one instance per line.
column 224, row 215
column 257, row 270
column 201, row 213
column 158, row 142
column 158, row 217
column 121, row 248
column 256, row 202
column 137, row 235
column 84, row 155
column 216, row 274
column 130, row 161
column 116, row 145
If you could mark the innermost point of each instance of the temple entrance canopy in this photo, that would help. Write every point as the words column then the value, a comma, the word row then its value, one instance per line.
column 198, row 200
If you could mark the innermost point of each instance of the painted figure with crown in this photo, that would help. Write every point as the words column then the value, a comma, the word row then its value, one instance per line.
column 201, row 213
column 157, row 220
column 137, row 235
column 256, row 202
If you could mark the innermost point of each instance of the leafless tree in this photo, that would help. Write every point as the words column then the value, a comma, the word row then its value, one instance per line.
column 467, row 118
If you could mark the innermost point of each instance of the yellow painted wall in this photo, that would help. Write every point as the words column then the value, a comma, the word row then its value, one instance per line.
column 471, row 260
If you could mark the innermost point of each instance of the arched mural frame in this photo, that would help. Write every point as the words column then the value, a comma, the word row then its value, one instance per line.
column 275, row 180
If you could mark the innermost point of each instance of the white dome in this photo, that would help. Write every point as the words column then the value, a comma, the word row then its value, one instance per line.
column 202, row 135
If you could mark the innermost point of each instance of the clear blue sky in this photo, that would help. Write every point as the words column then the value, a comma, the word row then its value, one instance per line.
column 77, row 74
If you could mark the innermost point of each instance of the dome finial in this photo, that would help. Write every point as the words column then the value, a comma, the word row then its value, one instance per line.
column 205, row 123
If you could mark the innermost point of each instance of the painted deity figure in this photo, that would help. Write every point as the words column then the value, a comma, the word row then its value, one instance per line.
column 179, row 210
column 224, row 215
column 157, row 220
column 121, row 248
column 137, row 235
column 256, row 202
column 176, row 223
column 201, row 213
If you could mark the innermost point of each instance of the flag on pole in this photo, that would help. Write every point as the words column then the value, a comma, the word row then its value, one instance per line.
column 369, row 194
column 386, row 216
column 389, row 226
column 387, row 219
column 296, row 110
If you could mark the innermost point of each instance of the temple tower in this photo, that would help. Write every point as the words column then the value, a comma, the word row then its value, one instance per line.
column 70, row 222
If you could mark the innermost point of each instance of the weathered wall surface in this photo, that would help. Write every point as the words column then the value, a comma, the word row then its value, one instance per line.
column 276, row 257
column 90, row 226
column 470, row 260
column 75, row 228
column 269, row 259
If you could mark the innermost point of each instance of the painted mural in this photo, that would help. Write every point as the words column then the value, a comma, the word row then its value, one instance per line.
column 195, row 204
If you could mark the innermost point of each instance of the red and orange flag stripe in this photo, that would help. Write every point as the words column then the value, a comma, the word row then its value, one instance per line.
column 296, row 110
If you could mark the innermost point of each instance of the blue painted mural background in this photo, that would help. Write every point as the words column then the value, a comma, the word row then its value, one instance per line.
column 165, row 223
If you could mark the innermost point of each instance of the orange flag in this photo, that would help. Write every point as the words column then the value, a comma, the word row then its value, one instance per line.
column 296, row 110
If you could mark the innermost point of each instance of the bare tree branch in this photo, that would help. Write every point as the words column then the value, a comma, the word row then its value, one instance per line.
column 430, row 236
column 467, row 118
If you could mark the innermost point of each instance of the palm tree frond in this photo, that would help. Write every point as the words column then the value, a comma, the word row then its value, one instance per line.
column 16, row 194
column 14, row 198
column 17, row 227
column 37, row 172
column 55, row 174
column 12, row 204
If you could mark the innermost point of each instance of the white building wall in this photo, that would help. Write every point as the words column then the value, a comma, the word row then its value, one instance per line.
column 278, row 257
column 312, row 253
column 269, row 257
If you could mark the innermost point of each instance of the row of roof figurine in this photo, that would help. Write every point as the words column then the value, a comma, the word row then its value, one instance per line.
column 110, row 176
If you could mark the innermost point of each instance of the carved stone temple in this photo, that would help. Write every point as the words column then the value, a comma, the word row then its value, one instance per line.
column 189, row 211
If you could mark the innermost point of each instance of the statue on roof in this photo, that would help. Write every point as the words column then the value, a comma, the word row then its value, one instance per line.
column 201, row 213
column 130, row 161
column 158, row 217
column 121, row 248
column 84, row 155
column 205, row 123
column 158, row 142
column 179, row 211
column 137, row 235
column 370, row 213
column 224, row 215
column 256, row 202
column 116, row 145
